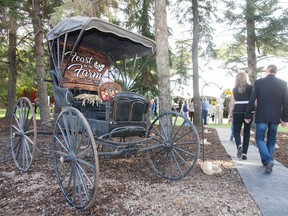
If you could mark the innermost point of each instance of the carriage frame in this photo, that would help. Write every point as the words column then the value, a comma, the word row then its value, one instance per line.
column 84, row 52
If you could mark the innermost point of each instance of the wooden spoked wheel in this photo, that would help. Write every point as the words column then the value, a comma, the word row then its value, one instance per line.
column 176, row 144
column 23, row 134
column 75, row 158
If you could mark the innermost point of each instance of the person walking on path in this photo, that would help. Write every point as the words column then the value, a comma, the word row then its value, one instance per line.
column 191, row 109
column 152, row 108
column 238, row 104
column 180, row 104
column 185, row 110
column 205, row 110
column 271, row 95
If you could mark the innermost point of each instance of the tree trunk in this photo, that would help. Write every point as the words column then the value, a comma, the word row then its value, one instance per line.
column 12, row 72
column 162, row 56
column 40, row 71
column 251, row 40
column 197, row 102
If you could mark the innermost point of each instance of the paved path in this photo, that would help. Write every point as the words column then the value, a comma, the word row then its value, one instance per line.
column 270, row 191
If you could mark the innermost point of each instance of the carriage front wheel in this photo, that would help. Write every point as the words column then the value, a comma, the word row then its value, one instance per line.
column 75, row 158
column 23, row 134
column 176, row 146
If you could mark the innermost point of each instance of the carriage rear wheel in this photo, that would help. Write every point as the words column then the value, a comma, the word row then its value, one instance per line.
column 23, row 134
column 176, row 144
column 75, row 158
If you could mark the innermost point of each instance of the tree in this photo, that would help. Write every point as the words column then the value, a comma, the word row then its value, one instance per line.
column 261, row 25
column 197, row 107
column 10, row 17
column 139, row 16
column 12, row 69
column 251, row 40
column 200, row 14
column 181, row 63
column 90, row 8
column 33, row 7
column 162, row 56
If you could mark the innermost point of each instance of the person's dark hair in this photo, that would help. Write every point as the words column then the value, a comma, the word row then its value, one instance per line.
column 272, row 69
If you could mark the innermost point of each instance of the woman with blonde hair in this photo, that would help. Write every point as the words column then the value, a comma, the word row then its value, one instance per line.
column 238, row 103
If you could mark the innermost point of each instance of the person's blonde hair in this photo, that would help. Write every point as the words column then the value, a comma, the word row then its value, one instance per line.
column 242, row 81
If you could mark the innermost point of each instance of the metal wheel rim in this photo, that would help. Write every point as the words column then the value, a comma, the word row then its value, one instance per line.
column 77, row 177
column 177, row 148
column 23, row 134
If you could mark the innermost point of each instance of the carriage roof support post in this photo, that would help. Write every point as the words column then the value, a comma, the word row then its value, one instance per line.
column 124, row 76
column 73, row 49
column 63, row 51
column 120, row 72
column 134, row 62
column 125, row 68
column 140, row 71
column 51, row 48
column 58, row 56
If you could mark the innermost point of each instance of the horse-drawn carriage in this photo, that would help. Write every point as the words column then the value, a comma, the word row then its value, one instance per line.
column 92, row 65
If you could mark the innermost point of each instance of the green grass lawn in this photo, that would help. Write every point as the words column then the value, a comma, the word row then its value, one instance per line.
column 2, row 113
column 226, row 125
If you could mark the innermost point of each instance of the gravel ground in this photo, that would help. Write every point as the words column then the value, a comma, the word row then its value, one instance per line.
column 127, row 186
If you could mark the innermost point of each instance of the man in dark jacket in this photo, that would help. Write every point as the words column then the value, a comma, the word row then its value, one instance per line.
column 271, row 96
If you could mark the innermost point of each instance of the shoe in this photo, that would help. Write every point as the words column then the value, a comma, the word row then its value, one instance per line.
column 244, row 157
column 239, row 151
column 269, row 166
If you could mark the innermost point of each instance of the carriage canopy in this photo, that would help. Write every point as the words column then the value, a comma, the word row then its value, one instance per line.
column 103, row 36
column 82, row 50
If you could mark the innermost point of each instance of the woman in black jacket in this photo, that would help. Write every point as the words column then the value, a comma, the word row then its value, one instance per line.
column 238, row 104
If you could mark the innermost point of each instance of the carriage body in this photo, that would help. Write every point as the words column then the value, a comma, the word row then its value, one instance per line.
column 95, row 111
column 83, row 53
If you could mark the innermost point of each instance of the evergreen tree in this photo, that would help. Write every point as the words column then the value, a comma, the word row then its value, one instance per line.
column 197, row 16
column 162, row 56
column 10, row 21
column 260, row 24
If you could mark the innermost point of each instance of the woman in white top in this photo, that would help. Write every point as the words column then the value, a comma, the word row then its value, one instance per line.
column 191, row 109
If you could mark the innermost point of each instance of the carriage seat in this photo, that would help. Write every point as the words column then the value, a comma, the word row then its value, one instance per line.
column 128, row 107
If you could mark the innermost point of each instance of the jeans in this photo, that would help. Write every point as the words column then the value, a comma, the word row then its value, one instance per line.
column 232, row 133
column 152, row 112
column 266, row 150
column 186, row 114
column 205, row 116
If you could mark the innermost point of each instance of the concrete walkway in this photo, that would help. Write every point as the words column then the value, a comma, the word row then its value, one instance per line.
column 270, row 191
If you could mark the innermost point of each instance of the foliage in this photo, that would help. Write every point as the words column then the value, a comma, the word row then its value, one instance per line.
column 182, row 61
column 183, row 13
column 90, row 8
column 271, row 26
column 3, row 73
column 226, row 93
column 141, row 23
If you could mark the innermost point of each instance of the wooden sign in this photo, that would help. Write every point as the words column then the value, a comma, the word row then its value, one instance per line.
column 85, row 69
